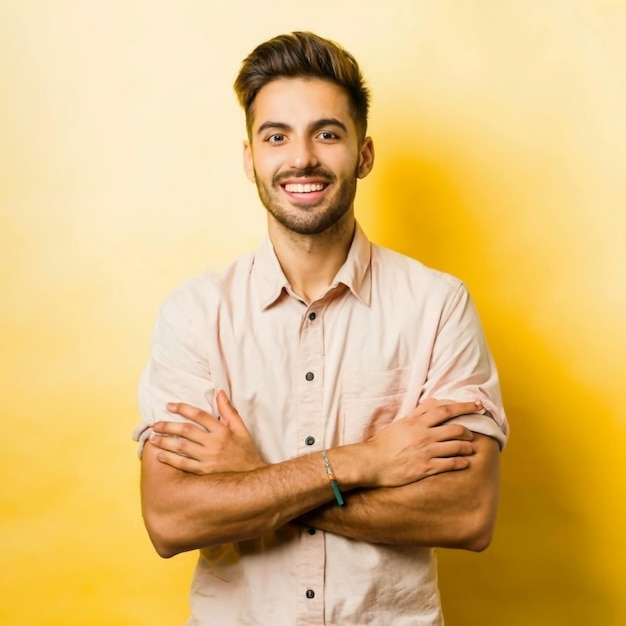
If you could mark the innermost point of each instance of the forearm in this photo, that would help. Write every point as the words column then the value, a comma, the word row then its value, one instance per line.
column 184, row 511
column 204, row 487
column 453, row 510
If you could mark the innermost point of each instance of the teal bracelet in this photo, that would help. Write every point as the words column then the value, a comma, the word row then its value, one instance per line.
column 332, row 479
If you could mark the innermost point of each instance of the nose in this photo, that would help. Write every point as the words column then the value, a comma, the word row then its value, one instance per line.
column 302, row 153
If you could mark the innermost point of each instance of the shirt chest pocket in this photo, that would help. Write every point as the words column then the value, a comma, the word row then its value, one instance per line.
column 370, row 401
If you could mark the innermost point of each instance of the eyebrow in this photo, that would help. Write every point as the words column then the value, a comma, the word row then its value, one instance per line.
column 273, row 126
column 329, row 121
column 324, row 122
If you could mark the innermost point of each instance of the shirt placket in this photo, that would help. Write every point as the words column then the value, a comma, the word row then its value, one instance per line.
column 310, row 432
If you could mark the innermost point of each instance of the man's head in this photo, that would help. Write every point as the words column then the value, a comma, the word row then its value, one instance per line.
column 306, row 113
column 302, row 55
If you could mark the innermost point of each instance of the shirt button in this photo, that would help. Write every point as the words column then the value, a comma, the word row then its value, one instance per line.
column 310, row 376
column 309, row 441
column 310, row 593
column 312, row 315
column 311, row 531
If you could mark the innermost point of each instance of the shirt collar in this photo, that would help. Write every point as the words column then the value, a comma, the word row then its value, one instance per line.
column 270, row 280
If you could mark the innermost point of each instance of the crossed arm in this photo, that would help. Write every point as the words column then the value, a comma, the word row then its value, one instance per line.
column 419, row 480
column 449, row 510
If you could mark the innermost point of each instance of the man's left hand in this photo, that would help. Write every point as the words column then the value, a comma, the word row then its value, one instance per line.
column 207, row 444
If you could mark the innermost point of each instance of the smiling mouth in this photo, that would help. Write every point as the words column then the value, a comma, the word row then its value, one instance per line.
column 304, row 188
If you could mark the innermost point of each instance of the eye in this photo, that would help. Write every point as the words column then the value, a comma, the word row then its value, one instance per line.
column 275, row 138
column 327, row 135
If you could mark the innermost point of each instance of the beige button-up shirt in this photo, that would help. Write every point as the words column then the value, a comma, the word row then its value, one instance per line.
column 387, row 334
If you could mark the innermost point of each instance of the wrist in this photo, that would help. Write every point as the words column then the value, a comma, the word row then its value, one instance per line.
column 352, row 466
column 331, row 479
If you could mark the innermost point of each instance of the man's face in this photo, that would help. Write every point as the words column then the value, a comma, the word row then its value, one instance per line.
column 304, row 154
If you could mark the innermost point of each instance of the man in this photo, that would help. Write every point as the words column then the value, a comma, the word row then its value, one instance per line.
column 368, row 419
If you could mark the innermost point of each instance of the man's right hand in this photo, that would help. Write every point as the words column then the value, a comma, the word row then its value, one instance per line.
column 421, row 444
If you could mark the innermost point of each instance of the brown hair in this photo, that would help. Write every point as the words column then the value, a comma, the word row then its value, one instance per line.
column 302, row 54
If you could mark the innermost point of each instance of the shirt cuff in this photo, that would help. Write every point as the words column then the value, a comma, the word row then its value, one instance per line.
column 482, row 423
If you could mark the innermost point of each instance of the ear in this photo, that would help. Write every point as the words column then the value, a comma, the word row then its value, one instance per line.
column 248, row 163
column 366, row 158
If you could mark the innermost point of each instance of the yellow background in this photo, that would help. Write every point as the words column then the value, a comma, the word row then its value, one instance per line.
column 500, row 129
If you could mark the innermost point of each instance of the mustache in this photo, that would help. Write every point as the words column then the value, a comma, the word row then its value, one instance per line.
column 308, row 172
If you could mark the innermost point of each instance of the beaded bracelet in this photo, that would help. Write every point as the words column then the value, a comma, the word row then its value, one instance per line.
column 332, row 479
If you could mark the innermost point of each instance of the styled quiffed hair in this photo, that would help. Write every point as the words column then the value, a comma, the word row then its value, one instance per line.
column 302, row 55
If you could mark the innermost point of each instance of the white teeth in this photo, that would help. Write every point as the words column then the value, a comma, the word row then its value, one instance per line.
column 306, row 188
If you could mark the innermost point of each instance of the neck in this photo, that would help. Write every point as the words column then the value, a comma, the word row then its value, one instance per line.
column 311, row 262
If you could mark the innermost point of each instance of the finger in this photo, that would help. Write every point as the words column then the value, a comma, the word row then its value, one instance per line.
column 192, row 413
column 447, row 432
column 190, row 431
column 442, row 413
column 182, row 463
column 449, row 449
column 229, row 415
column 430, row 403
column 451, row 464
column 177, row 445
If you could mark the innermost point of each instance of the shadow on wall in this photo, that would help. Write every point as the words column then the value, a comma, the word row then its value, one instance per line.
column 542, row 567
column 539, row 569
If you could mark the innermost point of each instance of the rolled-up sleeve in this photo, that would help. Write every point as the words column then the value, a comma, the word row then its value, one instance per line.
column 462, row 368
column 178, row 369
